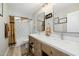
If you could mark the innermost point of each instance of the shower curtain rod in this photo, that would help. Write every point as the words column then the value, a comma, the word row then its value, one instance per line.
column 23, row 17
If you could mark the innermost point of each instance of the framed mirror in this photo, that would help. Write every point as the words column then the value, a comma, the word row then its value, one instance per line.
column 41, row 22
column 68, row 14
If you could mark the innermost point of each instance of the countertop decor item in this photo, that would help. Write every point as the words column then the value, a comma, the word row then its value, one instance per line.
column 48, row 31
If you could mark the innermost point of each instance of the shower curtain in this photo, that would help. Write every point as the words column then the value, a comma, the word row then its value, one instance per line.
column 22, row 30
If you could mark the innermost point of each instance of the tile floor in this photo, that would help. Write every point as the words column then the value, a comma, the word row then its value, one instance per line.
column 17, row 51
column 14, row 51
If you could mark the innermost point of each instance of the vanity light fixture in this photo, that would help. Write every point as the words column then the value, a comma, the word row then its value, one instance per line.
column 1, row 12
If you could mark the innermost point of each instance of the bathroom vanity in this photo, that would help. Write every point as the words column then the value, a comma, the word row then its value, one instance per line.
column 41, row 45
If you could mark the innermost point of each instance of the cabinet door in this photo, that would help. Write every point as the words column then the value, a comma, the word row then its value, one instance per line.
column 37, row 48
column 47, row 49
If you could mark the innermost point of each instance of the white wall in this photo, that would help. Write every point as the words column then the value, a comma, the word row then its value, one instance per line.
column 3, row 41
column 73, row 22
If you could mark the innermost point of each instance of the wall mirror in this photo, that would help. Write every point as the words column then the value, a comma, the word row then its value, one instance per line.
column 41, row 21
column 66, row 17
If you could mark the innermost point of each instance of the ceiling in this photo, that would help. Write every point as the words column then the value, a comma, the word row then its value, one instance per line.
column 24, row 9
column 28, row 9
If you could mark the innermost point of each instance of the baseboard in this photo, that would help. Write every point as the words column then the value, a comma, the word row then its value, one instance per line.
column 5, row 54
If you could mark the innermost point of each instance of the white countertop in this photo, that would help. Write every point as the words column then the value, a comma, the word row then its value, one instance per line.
column 66, row 46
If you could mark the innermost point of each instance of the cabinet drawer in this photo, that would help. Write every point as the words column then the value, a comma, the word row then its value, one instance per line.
column 47, row 49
